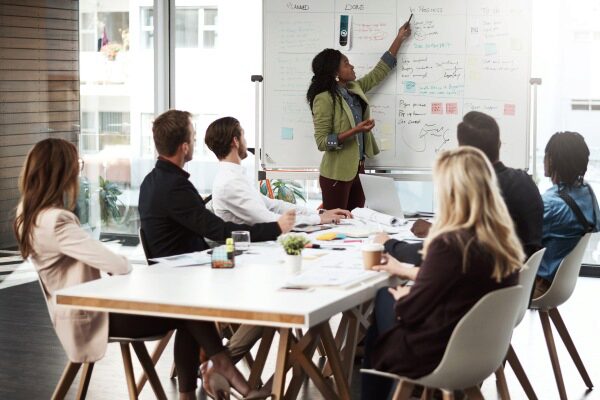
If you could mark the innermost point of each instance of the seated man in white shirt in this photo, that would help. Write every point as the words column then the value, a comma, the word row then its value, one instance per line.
column 234, row 198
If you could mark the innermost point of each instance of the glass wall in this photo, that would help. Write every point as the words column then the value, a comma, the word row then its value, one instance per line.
column 117, row 107
column 218, row 47
column 566, row 55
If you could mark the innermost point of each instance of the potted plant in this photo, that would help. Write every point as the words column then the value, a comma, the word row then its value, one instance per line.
column 283, row 190
column 293, row 244
column 109, row 201
column 110, row 50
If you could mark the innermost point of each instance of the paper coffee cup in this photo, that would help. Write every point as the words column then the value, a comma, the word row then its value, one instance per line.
column 372, row 254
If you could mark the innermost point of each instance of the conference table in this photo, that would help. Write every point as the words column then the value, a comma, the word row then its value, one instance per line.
column 260, row 290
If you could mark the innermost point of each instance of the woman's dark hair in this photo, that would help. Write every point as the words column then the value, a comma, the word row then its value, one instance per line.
column 567, row 156
column 481, row 131
column 220, row 134
column 49, row 178
column 325, row 66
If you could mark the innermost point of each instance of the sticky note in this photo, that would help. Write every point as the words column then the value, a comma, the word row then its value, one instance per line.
column 451, row 108
column 287, row 133
column 409, row 87
column 490, row 49
column 437, row 108
column 509, row 109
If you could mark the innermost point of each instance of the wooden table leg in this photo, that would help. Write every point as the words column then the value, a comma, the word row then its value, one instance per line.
column 156, row 353
column 334, row 359
column 84, row 383
column 349, row 350
column 305, row 349
column 261, row 357
column 66, row 380
column 280, row 366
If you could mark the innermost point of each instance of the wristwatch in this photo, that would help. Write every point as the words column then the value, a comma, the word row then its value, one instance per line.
column 321, row 211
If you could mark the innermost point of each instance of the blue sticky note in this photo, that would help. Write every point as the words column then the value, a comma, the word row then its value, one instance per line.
column 409, row 87
column 287, row 133
column 490, row 49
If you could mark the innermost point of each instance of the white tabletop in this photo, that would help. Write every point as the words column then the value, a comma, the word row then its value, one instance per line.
column 250, row 293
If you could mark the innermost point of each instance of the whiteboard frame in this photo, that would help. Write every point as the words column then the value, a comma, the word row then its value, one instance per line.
column 419, row 171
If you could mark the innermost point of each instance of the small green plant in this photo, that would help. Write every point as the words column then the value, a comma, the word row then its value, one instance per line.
column 109, row 200
column 284, row 190
column 293, row 243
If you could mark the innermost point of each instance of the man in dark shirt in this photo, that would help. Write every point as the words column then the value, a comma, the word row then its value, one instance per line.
column 172, row 212
column 520, row 193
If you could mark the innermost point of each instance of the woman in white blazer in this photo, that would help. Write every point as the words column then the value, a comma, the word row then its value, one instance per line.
column 63, row 254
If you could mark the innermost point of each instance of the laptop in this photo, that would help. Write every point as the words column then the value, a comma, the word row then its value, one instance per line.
column 381, row 195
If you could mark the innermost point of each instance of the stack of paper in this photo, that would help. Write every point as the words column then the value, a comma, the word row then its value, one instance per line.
column 367, row 214
column 325, row 276
column 184, row 260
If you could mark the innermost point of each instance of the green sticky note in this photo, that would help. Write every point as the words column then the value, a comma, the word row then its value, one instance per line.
column 287, row 133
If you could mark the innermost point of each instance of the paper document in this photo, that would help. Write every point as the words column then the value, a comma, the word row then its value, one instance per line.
column 324, row 276
column 184, row 260
column 377, row 217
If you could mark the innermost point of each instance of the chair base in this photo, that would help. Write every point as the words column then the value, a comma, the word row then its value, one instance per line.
column 554, row 315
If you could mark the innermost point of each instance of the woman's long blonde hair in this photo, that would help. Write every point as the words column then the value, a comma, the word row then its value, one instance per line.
column 469, row 199
column 49, row 178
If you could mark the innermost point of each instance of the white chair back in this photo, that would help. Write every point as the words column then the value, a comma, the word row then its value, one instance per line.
column 479, row 342
column 565, row 279
column 527, row 278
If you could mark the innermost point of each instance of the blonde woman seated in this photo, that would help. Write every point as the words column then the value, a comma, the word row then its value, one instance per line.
column 64, row 255
column 471, row 250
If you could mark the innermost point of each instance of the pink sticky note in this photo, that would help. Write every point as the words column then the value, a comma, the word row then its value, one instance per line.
column 437, row 108
column 451, row 108
column 509, row 109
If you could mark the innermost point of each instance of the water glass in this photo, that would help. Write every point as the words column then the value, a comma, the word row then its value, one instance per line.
column 241, row 240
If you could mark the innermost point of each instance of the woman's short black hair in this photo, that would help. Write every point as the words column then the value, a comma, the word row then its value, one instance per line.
column 481, row 131
column 567, row 156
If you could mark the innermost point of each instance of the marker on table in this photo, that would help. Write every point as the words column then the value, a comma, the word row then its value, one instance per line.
column 323, row 247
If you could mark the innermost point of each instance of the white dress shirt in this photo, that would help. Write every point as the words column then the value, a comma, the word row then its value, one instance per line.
column 235, row 199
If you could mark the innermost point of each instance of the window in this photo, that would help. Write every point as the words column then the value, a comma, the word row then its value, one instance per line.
column 87, row 31
column 571, row 86
column 195, row 27
column 114, row 128
column 147, row 28
column 117, row 103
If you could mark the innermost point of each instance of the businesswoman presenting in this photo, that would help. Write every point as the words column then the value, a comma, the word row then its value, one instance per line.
column 341, row 117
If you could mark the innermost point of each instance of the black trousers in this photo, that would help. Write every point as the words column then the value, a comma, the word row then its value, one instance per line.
column 190, row 337
column 384, row 318
column 344, row 195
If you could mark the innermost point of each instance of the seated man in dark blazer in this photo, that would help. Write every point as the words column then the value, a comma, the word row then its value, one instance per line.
column 172, row 212
column 519, row 191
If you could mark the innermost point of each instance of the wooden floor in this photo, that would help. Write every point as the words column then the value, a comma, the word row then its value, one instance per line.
column 31, row 359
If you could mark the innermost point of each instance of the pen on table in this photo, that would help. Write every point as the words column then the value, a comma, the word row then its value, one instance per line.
column 324, row 247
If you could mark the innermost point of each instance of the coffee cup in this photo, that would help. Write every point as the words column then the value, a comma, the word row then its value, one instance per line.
column 372, row 254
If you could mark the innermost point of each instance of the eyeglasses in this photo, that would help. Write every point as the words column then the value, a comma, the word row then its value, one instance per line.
column 81, row 164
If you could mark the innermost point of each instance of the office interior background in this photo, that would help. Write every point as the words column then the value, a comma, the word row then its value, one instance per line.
column 111, row 70
column 98, row 72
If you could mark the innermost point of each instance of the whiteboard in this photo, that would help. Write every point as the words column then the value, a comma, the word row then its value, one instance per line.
column 463, row 55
